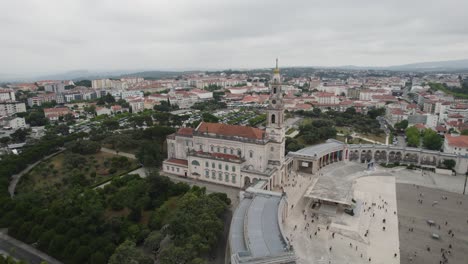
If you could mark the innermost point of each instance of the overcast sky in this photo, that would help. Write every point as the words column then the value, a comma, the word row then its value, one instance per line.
column 55, row 36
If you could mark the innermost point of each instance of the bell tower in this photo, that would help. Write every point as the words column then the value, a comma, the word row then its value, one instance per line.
column 275, row 109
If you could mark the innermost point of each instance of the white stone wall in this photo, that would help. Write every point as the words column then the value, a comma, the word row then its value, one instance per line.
column 175, row 169
column 258, row 159
column 215, row 171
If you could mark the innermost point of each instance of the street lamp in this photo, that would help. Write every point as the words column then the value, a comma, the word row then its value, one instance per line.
column 464, row 186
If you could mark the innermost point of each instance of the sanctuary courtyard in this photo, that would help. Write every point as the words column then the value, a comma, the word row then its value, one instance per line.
column 385, row 206
column 349, row 213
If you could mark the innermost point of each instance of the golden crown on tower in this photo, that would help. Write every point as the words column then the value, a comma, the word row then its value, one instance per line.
column 276, row 70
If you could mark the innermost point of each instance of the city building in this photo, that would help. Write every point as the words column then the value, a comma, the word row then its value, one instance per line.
column 8, row 108
column 13, row 122
column 58, row 87
column 54, row 114
column 7, row 95
column 456, row 144
column 232, row 155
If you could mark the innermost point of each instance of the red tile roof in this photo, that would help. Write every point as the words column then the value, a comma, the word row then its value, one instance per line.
column 441, row 129
column 231, row 130
column 455, row 116
column 178, row 161
column 303, row 106
column 457, row 141
column 420, row 126
column 185, row 131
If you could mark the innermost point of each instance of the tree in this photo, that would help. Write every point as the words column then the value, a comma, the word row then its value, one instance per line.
column 36, row 118
column 402, row 125
column 123, row 103
column 20, row 135
column 86, row 83
column 110, row 124
column 464, row 132
column 449, row 164
column 207, row 117
column 374, row 113
column 109, row 98
column 165, row 106
column 316, row 112
column 432, row 140
column 85, row 147
column 127, row 253
column 153, row 241
column 413, row 136
column 150, row 155
column 62, row 129
column 91, row 109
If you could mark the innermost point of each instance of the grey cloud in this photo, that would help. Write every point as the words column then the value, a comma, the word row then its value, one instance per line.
column 56, row 36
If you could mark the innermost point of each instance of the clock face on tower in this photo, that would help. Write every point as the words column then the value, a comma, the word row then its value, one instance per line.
column 273, row 101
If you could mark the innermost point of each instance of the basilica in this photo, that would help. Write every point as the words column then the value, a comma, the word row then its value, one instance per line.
column 232, row 155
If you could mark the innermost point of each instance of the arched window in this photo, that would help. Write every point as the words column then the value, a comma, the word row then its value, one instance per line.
column 196, row 163
column 274, row 90
column 251, row 154
column 273, row 119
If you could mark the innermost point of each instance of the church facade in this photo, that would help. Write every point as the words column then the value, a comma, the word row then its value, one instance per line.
column 236, row 156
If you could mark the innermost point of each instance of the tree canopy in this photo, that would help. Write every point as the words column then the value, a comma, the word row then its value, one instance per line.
column 413, row 136
column 432, row 140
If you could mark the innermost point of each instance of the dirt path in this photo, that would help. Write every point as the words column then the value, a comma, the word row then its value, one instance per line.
column 16, row 178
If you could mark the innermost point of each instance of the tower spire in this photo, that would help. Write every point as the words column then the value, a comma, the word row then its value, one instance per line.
column 276, row 71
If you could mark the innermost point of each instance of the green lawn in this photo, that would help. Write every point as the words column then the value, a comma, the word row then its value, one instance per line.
column 380, row 138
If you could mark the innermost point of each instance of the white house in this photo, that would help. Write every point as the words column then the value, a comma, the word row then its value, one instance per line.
column 456, row 144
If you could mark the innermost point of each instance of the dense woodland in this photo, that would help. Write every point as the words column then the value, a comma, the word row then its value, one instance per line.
column 130, row 220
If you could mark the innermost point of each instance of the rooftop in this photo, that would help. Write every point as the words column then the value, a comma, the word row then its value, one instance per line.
column 320, row 149
column 457, row 141
column 178, row 161
column 230, row 130
column 256, row 234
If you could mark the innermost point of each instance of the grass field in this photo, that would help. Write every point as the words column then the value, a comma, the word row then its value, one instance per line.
column 55, row 173
column 380, row 138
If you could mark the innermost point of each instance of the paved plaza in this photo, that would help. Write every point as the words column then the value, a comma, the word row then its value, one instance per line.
column 331, row 236
column 448, row 215
column 387, row 208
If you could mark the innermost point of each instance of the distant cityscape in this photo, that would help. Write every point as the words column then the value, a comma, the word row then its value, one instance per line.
column 292, row 165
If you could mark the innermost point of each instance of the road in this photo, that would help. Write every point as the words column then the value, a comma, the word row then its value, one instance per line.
column 401, row 141
column 22, row 251
column 15, row 178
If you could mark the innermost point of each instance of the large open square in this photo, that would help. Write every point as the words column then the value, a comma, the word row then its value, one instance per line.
column 447, row 214
column 384, row 198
